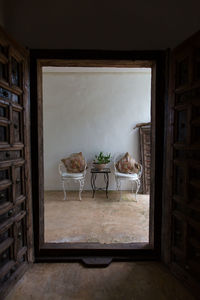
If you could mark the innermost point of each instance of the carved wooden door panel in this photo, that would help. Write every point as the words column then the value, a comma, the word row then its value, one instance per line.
column 183, row 181
column 15, row 206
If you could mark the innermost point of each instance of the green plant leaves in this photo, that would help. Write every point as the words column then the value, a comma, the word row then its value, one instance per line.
column 102, row 159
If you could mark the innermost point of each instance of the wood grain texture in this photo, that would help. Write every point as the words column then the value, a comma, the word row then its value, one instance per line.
column 182, row 190
column 145, row 146
column 15, row 181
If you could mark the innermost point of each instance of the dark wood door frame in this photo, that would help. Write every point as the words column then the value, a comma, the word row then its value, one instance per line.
column 80, row 251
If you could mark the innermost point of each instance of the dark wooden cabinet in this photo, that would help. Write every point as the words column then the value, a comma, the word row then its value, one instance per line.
column 14, row 161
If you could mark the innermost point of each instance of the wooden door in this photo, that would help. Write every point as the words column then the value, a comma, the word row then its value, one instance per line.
column 181, row 247
column 15, row 225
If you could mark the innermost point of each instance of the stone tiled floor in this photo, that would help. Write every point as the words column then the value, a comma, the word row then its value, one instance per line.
column 99, row 220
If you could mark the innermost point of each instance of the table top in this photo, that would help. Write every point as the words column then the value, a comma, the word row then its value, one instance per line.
column 106, row 170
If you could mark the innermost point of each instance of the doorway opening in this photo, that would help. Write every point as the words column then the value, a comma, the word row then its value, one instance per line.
column 92, row 114
column 86, row 107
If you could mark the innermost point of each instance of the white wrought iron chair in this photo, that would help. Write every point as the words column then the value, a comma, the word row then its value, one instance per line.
column 134, row 178
column 77, row 177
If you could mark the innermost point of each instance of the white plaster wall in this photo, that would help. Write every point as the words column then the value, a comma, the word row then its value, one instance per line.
column 92, row 110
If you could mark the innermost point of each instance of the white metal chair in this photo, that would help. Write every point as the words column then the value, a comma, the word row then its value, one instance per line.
column 134, row 178
column 65, row 176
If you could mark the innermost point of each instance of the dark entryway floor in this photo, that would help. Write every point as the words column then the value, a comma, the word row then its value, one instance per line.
column 123, row 281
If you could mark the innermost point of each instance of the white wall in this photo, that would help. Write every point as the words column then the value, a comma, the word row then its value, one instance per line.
column 92, row 110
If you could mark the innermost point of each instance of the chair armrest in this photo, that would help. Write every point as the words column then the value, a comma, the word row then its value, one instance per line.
column 140, row 172
column 60, row 168
column 85, row 170
column 114, row 165
column 115, row 160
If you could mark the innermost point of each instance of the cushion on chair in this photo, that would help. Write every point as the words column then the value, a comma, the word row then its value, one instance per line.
column 72, row 175
column 132, row 176
column 75, row 163
column 127, row 165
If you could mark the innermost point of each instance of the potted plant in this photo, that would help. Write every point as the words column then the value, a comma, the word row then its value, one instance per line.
column 101, row 161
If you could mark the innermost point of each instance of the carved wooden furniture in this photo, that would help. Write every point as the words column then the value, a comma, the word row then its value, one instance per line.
column 145, row 146
column 133, row 178
column 14, row 162
column 67, row 177
column 183, row 164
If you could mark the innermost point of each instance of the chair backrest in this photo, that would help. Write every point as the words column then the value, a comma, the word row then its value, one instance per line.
column 61, row 167
column 141, row 170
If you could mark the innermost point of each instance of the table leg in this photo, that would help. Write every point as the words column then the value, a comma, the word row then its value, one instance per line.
column 106, row 178
column 93, row 179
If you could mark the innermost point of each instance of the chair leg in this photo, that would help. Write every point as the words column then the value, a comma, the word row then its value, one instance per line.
column 118, row 183
column 137, row 188
column 132, row 186
column 81, row 185
column 63, row 185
